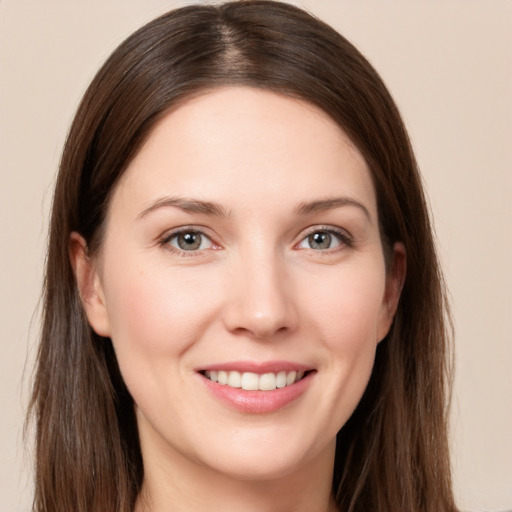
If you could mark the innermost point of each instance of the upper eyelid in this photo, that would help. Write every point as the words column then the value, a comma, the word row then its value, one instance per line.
column 325, row 227
column 165, row 239
column 170, row 233
column 345, row 239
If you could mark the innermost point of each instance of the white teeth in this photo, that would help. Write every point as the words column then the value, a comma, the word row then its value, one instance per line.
column 234, row 380
column 290, row 377
column 267, row 382
column 252, row 381
column 281, row 380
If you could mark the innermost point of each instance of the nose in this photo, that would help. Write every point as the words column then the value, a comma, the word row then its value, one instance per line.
column 260, row 299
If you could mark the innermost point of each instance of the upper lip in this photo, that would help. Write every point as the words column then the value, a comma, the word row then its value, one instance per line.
column 257, row 367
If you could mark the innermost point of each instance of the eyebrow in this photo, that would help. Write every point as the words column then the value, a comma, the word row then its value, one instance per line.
column 330, row 203
column 188, row 205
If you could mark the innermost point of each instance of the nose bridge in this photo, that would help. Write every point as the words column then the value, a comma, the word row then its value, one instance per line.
column 261, row 299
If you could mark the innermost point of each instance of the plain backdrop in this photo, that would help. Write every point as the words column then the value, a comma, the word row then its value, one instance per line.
column 449, row 67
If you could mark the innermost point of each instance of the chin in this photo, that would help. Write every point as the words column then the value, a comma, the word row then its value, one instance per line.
column 258, row 469
column 266, row 456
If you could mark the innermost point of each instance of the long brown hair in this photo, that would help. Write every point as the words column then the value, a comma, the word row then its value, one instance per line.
column 393, row 453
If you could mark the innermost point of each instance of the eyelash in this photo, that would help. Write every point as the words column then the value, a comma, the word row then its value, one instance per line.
column 344, row 239
column 165, row 241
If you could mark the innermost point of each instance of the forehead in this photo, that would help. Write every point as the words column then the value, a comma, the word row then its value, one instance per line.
column 242, row 145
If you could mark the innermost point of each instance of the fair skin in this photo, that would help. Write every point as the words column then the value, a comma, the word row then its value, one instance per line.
column 242, row 240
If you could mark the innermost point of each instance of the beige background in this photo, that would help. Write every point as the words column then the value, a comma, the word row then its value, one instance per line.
column 449, row 66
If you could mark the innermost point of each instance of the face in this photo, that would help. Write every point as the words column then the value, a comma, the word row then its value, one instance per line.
column 243, row 283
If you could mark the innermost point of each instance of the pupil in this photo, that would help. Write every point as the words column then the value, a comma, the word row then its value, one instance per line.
column 320, row 240
column 189, row 241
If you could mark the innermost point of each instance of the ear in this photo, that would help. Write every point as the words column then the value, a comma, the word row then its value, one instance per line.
column 394, row 282
column 89, row 285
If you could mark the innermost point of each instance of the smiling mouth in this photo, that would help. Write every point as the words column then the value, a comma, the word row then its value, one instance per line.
column 250, row 381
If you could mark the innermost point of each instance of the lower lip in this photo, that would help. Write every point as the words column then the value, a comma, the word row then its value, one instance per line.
column 259, row 402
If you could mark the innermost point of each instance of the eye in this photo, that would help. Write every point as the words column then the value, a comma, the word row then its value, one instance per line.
column 189, row 240
column 324, row 239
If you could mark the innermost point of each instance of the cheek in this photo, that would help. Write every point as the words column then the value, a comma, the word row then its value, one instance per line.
column 155, row 316
column 347, row 307
column 346, row 313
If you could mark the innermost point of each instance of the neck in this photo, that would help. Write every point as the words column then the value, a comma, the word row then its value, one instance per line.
column 174, row 483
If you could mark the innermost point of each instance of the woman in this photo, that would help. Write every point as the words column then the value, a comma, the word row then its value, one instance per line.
column 243, row 306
